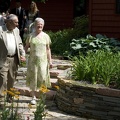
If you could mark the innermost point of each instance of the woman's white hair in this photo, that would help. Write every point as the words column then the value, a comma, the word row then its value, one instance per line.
column 37, row 20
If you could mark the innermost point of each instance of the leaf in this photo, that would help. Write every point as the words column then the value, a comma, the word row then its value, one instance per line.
column 99, row 36
column 90, row 37
column 92, row 44
column 78, row 46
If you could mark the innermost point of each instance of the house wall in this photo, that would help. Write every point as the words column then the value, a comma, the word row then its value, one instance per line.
column 103, row 18
column 57, row 14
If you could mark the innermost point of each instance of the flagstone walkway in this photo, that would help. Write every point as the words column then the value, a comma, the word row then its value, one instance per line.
column 61, row 68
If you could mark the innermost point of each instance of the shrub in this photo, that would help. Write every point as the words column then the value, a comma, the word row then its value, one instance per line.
column 100, row 67
column 61, row 39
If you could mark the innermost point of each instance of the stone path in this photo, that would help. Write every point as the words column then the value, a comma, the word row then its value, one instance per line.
column 61, row 68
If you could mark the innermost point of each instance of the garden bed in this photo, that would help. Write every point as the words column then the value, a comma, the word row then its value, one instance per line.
column 87, row 100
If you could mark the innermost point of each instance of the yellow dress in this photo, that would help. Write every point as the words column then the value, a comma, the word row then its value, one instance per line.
column 38, row 68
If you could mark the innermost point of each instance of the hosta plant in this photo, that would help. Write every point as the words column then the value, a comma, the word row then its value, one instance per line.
column 91, row 43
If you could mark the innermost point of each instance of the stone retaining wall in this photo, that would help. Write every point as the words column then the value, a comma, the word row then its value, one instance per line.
column 86, row 100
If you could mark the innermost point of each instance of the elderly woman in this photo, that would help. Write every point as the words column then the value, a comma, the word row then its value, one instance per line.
column 39, row 59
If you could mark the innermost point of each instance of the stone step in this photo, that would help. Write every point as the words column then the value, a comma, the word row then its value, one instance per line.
column 23, row 102
column 60, row 68
column 25, row 91
column 20, row 85
column 22, row 82
column 53, row 73
column 64, row 66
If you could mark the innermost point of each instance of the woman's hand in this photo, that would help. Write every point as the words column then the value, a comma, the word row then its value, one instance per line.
column 50, row 65
column 22, row 58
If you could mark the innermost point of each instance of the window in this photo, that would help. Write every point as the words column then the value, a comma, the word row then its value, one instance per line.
column 118, row 6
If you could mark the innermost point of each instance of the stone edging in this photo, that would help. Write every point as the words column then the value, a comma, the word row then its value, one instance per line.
column 86, row 100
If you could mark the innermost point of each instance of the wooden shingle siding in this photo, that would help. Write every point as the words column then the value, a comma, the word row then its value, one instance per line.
column 103, row 6
column 102, row 12
column 103, row 18
column 108, row 24
column 58, row 14
column 103, row 1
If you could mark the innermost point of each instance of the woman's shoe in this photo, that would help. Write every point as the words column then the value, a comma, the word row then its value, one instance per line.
column 33, row 102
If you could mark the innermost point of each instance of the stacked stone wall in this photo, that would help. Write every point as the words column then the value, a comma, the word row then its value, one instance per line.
column 86, row 100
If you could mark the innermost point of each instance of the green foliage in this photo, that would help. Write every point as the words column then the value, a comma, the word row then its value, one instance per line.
column 91, row 43
column 61, row 39
column 23, row 64
column 39, row 113
column 40, row 110
column 10, row 113
column 98, row 67
column 80, row 27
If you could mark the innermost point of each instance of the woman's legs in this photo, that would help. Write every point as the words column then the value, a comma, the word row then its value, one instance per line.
column 33, row 101
column 33, row 86
column 33, row 94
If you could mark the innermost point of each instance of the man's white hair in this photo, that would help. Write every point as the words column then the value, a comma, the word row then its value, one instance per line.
column 37, row 20
column 11, row 17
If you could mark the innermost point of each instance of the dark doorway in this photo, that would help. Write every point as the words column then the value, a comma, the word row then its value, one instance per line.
column 79, row 8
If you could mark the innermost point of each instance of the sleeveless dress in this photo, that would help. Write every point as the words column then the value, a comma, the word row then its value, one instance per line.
column 30, row 22
column 38, row 68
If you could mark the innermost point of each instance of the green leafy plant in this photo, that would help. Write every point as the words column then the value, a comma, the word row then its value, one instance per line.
column 61, row 39
column 80, row 28
column 10, row 113
column 91, row 43
column 40, row 110
column 100, row 67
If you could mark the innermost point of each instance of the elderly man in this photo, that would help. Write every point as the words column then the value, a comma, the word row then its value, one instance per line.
column 11, row 52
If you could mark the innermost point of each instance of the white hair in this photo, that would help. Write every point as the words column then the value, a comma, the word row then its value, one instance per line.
column 11, row 17
column 37, row 20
